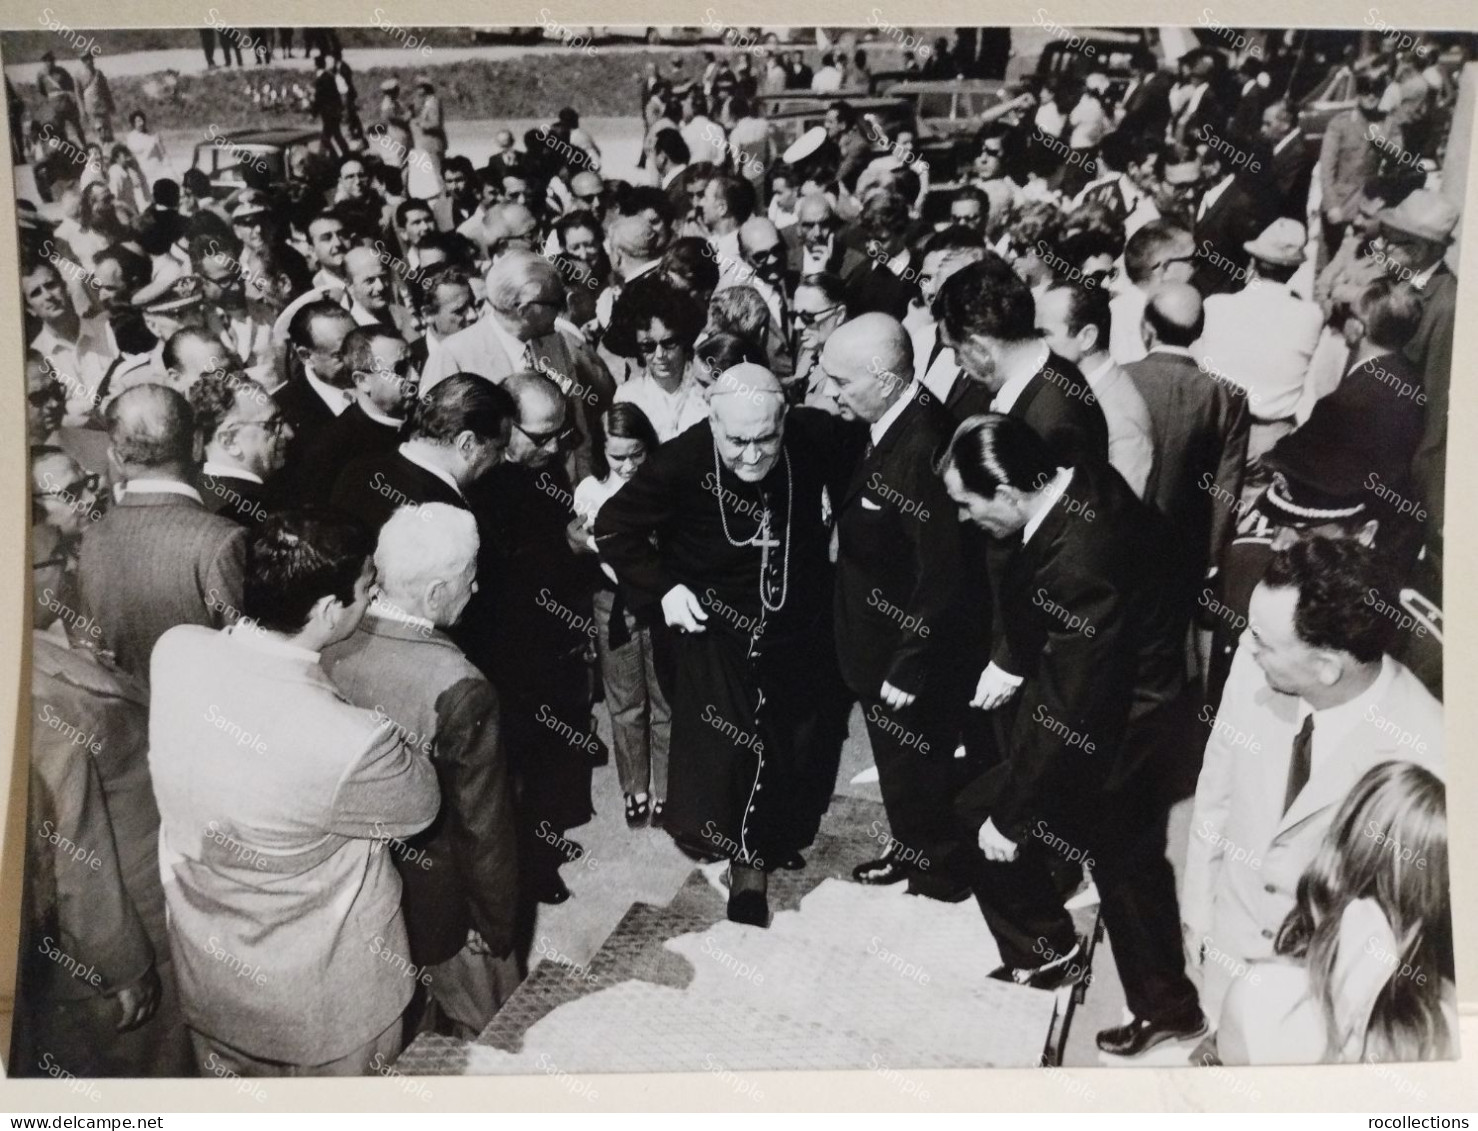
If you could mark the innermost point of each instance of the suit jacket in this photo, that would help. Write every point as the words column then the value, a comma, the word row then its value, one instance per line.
column 1246, row 855
column 898, row 541
column 1131, row 443
column 1244, row 208
column 1292, row 174
column 239, row 499
column 1147, row 107
column 462, row 872
column 308, row 414
column 277, row 798
column 1349, row 157
column 1272, row 363
column 371, row 487
column 1061, row 408
column 1200, row 429
column 157, row 560
column 351, row 435
column 1370, row 425
column 1431, row 350
column 1084, row 678
column 560, row 355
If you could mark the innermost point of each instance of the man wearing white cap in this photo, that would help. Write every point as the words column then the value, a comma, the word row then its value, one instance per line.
column 1414, row 237
column 1262, row 337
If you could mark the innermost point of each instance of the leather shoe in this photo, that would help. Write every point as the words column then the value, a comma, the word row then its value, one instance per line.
column 555, row 893
column 943, row 892
column 1141, row 1035
column 749, row 907
column 886, row 870
column 1069, row 971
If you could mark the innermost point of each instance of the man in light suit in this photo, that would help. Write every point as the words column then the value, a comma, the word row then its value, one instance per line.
column 899, row 543
column 277, row 800
column 518, row 333
column 460, row 876
column 158, row 558
column 1312, row 702
column 1262, row 337
column 1076, row 320
column 1200, row 430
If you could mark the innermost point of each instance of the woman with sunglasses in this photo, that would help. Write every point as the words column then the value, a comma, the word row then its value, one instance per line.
column 641, row 721
column 658, row 324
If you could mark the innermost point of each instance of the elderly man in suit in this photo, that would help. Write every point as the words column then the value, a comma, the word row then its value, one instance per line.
column 1076, row 322
column 1160, row 252
column 245, row 437
column 320, row 389
column 460, row 432
column 1312, row 702
column 459, row 876
column 371, row 292
column 158, row 558
column 1088, row 645
column 899, row 601
column 525, row 294
column 277, row 799
column 1199, row 424
column 1271, row 361
column 1292, row 168
column 90, row 989
column 380, row 366
column 988, row 317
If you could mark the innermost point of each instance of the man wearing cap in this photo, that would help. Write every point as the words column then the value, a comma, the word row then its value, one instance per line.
column 1414, row 239
column 1306, row 499
column 394, row 141
column 721, row 534
column 1262, row 337
column 428, row 128
column 167, row 309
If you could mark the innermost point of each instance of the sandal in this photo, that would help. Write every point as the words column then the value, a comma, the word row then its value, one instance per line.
column 637, row 812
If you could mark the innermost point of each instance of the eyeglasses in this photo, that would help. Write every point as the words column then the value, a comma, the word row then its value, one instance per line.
column 766, row 254
column 275, row 425
column 811, row 317
column 590, row 198
column 652, row 345
column 544, row 439
column 87, row 485
column 46, row 395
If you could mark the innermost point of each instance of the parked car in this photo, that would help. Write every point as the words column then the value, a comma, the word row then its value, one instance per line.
column 1331, row 97
column 223, row 157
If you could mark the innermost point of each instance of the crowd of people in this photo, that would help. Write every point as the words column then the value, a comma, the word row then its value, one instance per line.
column 1114, row 477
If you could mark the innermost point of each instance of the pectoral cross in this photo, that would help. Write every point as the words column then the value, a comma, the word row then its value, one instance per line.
column 762, row 536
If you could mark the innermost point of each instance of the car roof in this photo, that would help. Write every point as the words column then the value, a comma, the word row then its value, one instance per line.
column 946, row 86
column 282, row 136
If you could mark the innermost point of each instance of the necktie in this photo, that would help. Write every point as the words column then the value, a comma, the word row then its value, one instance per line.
column 530, row 359
column 934, row 353
column 1303, row 757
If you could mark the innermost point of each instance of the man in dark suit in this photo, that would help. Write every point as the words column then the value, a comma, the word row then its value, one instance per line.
column 318, row 390
column 459, row 877
column 245, row 438
column 460, row 432
column 1199, row 425
column 899, row 603
column 1146, row 106
column 379, row 363
column 158, row 558
column 883, row 281
column 988, row 317
column 1235, row 206
column 1292, row 170
column 1089, row 647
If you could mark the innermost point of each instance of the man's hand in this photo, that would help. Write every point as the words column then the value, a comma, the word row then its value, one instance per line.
column 682, row 609
column 895, row 697
column 138, row 1001
column 996, row 687
column 997, row 848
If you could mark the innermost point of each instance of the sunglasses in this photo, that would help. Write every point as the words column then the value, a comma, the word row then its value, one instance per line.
column 653, row 345
column 47, row 395
column 811, row 317
column 560, row 438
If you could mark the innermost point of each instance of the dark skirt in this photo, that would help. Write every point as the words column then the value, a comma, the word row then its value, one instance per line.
column 751, row 748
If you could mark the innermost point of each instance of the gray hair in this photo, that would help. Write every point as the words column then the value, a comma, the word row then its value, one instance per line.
column 423, row 543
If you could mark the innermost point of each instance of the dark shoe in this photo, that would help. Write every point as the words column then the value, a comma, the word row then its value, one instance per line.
column 943, row 892
column 1141, row 1035
column 1069, row 970
column 637, row 812
column 793, row 863
column 555, row 893
column 657, row 807
column 749, row 907
column 884, row 871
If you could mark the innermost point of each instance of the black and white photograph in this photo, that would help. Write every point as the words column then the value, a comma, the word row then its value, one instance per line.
column 568, row 550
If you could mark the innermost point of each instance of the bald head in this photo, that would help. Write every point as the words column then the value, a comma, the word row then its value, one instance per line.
column 870, row 362
column 635, row 241
column 503, row 223
column 758, row 233
column 814, row 208
column 541, row 419
column 1173, row 314
column 151, row 431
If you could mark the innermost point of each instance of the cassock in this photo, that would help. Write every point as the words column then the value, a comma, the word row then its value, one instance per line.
column 751, row 726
